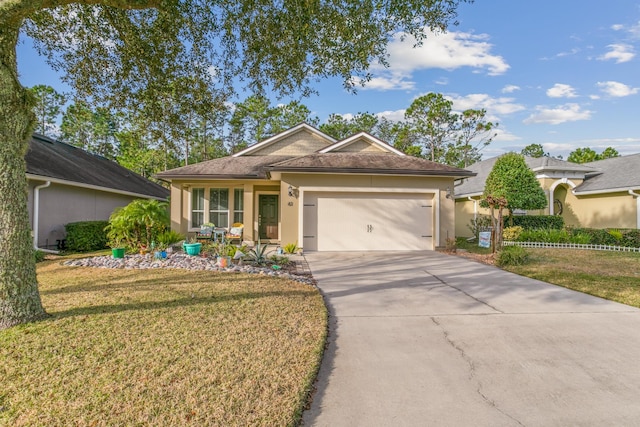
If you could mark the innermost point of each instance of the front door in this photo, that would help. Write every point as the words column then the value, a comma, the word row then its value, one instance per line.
column 268, row 216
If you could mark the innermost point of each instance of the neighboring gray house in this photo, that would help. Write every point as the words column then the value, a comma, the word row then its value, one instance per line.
column 68, row 184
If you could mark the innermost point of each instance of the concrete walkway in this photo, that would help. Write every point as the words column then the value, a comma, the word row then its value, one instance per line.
column 428, row 339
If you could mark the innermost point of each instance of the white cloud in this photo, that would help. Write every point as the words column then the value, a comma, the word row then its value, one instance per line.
column 617, row 89
column 447, row 51
column 635, row 30
column 443, row 81
column 571, row 52
column 394, row 116
column 394, row 81
column 620, row 52
column 510, row 88
column 504, row 135
column 560, row 90
column 500, row 106
column 564, row 113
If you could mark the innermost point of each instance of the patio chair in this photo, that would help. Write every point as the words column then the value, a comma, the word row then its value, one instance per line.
column 206, row 231
column 235, row 232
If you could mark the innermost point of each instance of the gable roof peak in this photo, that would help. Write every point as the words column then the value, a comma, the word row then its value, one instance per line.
column 366, row 136
column 275, row 138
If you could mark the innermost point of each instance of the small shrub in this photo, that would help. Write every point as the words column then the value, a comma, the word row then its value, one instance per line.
column 258, row 254
column 512, row 255
column 631, row 238
column 598, row 236
column 616, row 234
column 138, row 224
column 86, row 236
column 279, row 259
column 39, row 256
column 480, row 223
column 580, row 238
column 450, row 244
column 290, row 248
column 170, row 237
column 512, row 233
column 548, row 235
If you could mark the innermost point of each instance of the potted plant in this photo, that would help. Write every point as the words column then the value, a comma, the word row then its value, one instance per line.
column 117, row 247
column 160, row 251
column 192, row 247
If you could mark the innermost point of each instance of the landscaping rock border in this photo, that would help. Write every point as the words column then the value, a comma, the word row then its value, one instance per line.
column 182, row 261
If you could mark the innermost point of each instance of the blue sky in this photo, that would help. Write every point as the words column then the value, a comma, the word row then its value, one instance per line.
column 564, row 74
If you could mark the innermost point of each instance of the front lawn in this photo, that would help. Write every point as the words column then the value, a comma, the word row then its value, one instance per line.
column 611, row 275
column 162, row 347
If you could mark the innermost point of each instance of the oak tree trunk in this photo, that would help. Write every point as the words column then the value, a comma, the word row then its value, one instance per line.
column 19, row 296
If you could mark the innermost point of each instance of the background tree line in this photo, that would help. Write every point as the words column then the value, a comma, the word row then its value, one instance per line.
column 163, row 135
column 169, row 133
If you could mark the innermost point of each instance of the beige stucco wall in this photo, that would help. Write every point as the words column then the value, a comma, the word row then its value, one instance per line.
column 361, row 146
column 181, row 202
column 610, row 210
column 289, row 206
column 62, row 204
column 297, row 144
column 605, row 210
column 465, row 213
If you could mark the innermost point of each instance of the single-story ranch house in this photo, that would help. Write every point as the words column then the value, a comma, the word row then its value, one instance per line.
column 67, row 184
column 302, row 186
column 601, row 194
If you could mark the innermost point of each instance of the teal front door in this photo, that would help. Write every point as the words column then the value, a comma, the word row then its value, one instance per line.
column 268, row 216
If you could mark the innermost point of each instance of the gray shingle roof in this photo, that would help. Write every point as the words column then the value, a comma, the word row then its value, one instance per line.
column 256, row 167
column 243, row 167
column 616, row 173
column 475, row 185
column 53, row 159
column 383, row 164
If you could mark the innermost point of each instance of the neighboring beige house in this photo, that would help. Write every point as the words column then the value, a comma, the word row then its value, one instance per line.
column 602, row 194
column 304, row 187
column 68, row 184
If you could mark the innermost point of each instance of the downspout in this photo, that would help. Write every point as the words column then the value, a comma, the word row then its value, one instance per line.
column 637, row 196
column 36, row 216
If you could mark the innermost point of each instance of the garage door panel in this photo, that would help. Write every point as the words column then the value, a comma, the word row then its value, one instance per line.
column 367, row 221
column 310, row 223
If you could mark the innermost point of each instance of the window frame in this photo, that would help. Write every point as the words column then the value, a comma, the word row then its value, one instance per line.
column 218, row 205
column 201, row 211
column 232, row 214
column 238, row 205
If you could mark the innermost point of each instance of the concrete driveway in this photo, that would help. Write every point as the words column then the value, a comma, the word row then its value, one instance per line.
column 428, row 339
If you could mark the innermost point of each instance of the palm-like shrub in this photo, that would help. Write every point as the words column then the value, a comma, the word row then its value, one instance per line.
column 139, row 223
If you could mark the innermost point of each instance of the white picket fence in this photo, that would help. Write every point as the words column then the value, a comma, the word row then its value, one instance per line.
column 570, row 246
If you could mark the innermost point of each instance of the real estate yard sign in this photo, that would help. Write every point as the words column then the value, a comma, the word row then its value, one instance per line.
column 484, row 239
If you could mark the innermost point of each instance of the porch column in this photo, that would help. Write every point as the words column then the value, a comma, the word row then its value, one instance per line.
column 249, row 201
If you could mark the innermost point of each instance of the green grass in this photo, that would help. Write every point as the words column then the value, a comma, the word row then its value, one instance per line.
column 462, row 243
column 162, row 347
column 611, row 275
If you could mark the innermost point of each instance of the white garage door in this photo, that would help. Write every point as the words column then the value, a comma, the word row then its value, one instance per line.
column 367, row 221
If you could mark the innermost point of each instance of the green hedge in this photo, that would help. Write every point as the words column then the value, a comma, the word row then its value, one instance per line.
column 595, row 236
column 530, row 222
column 613, row 237
column 85, row 236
